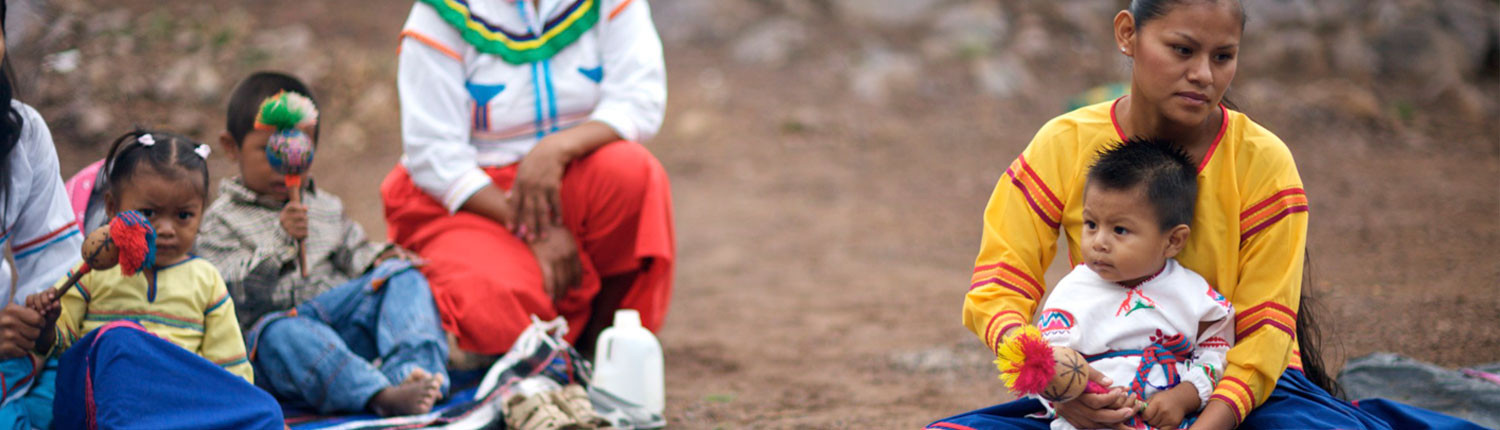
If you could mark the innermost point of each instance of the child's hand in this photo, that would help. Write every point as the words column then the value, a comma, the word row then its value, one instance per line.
column 47, row 304
column 1166, row 409
column 294, row 220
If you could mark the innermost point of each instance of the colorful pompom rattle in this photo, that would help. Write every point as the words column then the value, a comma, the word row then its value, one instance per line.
column 128, row 241
column 1031, row 366
column 289, row 150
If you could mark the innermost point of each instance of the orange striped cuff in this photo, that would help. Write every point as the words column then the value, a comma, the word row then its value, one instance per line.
column 1046, row 204
column 998, row 324
column 1237, row 394
column 1008, row 277
column 1268, row 314
column 1272, row 209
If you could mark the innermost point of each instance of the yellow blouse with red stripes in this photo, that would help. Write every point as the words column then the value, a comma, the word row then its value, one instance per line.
column 1249, row 233
column 189, row 306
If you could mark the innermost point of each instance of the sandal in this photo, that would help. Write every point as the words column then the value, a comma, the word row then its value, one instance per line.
column 573, row 399
column 536, row 412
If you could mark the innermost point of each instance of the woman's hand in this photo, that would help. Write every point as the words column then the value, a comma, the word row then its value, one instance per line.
column 536, row 198
column 1097, row 411
column 19, row 328
column 557, row 255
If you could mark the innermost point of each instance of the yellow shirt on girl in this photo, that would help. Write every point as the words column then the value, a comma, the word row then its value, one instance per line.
column 190, row 307
column 1249, row 232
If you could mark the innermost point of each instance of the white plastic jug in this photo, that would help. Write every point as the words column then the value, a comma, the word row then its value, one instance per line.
column 628, row 363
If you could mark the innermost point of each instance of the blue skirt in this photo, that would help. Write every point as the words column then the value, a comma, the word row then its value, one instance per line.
column 1295, row 404
column 122, row 377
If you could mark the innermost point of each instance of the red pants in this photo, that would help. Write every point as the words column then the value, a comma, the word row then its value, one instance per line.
column 486, row 282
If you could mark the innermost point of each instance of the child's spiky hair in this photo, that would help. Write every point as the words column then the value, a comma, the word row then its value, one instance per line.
column 1168, row 174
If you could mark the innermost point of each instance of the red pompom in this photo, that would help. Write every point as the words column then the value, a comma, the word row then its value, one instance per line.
column 1035, row 372
column 136, row 240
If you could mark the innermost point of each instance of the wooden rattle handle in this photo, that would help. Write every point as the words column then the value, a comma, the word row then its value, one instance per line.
column 294, row 191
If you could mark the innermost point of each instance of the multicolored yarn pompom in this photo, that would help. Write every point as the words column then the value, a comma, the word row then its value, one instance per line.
column 1025, row 362
column 132, row 234
column 289, row 150
column 286, row 110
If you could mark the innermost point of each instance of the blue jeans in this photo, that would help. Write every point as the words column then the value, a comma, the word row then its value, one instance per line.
column 33, row 408
column 321, row 356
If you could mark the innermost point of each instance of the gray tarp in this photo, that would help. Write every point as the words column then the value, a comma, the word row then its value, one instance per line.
column 1425, row 385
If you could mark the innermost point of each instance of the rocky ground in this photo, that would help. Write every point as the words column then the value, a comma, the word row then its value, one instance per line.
column 830, row 160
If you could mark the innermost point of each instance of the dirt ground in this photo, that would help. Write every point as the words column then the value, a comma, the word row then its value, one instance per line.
column 825, row 243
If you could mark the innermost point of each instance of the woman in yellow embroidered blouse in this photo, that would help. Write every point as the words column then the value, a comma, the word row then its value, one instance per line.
column 1249, row 231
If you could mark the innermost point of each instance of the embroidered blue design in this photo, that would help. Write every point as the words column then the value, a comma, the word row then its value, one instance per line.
column 482, row 94
column 595, row 74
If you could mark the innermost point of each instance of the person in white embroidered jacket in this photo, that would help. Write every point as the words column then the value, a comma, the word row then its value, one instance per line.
column 1151, row 326
column 522, row 180
column 43, row 241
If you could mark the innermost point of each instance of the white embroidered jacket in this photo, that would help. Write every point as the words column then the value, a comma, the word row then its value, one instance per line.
column 462, row 109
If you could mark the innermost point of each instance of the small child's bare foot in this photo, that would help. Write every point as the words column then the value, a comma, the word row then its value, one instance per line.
column 434, row 390
column 413, row 396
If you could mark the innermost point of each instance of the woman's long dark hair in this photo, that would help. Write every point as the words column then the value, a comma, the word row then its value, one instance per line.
column 11, row 122
column 1309, row 336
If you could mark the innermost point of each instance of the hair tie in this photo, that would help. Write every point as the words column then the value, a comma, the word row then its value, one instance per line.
column 203, row 150
column 146, row 140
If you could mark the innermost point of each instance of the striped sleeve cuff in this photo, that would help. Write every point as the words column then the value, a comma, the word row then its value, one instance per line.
column 998, row 324
column 1237, row 395
column 460, row 190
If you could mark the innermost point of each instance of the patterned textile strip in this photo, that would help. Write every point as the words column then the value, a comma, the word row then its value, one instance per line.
column 1042, row 200
column 1270, row 210
column 577, row 19
column 1265, row 314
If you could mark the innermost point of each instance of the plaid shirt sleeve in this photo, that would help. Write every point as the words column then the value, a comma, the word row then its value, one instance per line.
column 249, row 258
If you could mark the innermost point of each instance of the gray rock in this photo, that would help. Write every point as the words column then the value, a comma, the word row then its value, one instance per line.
column 1032, row 41
column 1265, row 15
column 1290, row 50
column 1473, row 24
column 93, row 118
column 885, row 13
column 769, row 43
column 882, row 72
column 1352, row 56
column 1086, row 20
column 1415, row 52
column 1002, row 76
column 967, row 29
column 291, row 41
column 174, row 78
column 702, row 20
column 24, row 19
